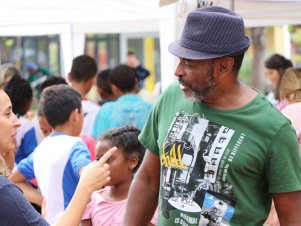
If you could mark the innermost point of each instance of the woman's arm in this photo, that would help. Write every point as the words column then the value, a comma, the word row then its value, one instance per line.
column 31, row 194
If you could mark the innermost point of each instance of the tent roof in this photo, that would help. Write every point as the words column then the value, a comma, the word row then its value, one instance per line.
column 36, row 17
column 255, row 12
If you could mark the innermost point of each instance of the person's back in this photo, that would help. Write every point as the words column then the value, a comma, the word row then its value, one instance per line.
column 82, row 77
column 57, row 162
column 128, row 109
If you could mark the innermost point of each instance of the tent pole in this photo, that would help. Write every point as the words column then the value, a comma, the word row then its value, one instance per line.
column 232, row 5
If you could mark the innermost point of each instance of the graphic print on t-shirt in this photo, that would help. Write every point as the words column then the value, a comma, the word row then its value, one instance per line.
column 195, row 161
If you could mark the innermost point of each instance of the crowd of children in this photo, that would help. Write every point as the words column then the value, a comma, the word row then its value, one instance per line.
column 57, row 143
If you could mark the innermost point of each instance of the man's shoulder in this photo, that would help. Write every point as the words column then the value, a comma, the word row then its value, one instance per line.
column 265, row 114
column 173, row 90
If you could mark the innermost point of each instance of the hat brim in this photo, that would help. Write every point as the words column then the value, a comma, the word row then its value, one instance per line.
column 180, row 51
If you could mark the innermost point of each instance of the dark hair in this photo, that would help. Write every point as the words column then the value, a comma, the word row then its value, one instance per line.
column 103, row 81
column 20, row 94
column 279, row 63
column 124, row 77
column 58, row 102
column 238, row 62
column 131, row 53
column 53, row 80
column 83, row 68
column 126, row 137
column 50, row 81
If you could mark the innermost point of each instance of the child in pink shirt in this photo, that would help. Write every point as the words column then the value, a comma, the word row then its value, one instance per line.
column 290, row 91
column 107, row 206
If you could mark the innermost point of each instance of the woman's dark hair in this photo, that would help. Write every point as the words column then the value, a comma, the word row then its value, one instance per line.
column 126, row 137
column 279, row 63
column 20, row 94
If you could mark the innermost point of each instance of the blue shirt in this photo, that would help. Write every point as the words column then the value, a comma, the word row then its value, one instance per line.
column 128, row 109
column 15, row 210
column 56, row 163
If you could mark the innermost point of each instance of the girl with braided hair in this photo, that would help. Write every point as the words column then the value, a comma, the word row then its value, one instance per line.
column 107, row 206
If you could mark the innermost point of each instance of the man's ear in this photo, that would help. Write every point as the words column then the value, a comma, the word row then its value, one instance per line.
column 133, row 162
column 225, row 65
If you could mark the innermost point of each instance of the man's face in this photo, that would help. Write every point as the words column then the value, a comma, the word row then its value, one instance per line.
column 197, row 79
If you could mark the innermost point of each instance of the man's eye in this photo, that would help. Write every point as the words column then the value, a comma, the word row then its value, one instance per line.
column 109, row 160
column 187, row 65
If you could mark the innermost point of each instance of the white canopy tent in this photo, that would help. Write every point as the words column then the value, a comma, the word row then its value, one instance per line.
column 72, row 19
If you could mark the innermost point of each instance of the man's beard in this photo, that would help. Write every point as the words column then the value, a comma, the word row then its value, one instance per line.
column 204, row 91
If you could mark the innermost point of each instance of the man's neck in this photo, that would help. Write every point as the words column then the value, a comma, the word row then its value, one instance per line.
column 232, row 97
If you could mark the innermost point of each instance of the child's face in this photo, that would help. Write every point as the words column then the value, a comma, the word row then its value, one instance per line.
column 44, row 126
column 120, row 171
column 78, row 121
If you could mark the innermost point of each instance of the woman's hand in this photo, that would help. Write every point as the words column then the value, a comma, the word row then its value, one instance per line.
column 96, row 175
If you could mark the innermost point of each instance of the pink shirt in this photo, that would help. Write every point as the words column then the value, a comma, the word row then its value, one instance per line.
column 91, row 143
column 293, row 113
column 107, row 213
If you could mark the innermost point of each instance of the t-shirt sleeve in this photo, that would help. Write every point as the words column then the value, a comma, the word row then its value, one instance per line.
column 88, row 212
column 284, row 166
column 149, row 134
column 27, row 146
column 79, row 156
column 25, row 167
column 15, row 210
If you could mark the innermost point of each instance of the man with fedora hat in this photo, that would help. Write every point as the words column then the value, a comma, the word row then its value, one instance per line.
column 218, row 151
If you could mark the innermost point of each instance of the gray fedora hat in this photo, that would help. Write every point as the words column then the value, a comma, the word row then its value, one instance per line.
column 211, row 32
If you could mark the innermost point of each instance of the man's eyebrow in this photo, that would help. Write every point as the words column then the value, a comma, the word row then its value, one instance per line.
column 188, row 60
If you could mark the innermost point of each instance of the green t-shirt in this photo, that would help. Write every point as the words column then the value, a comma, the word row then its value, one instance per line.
column 219, row 167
